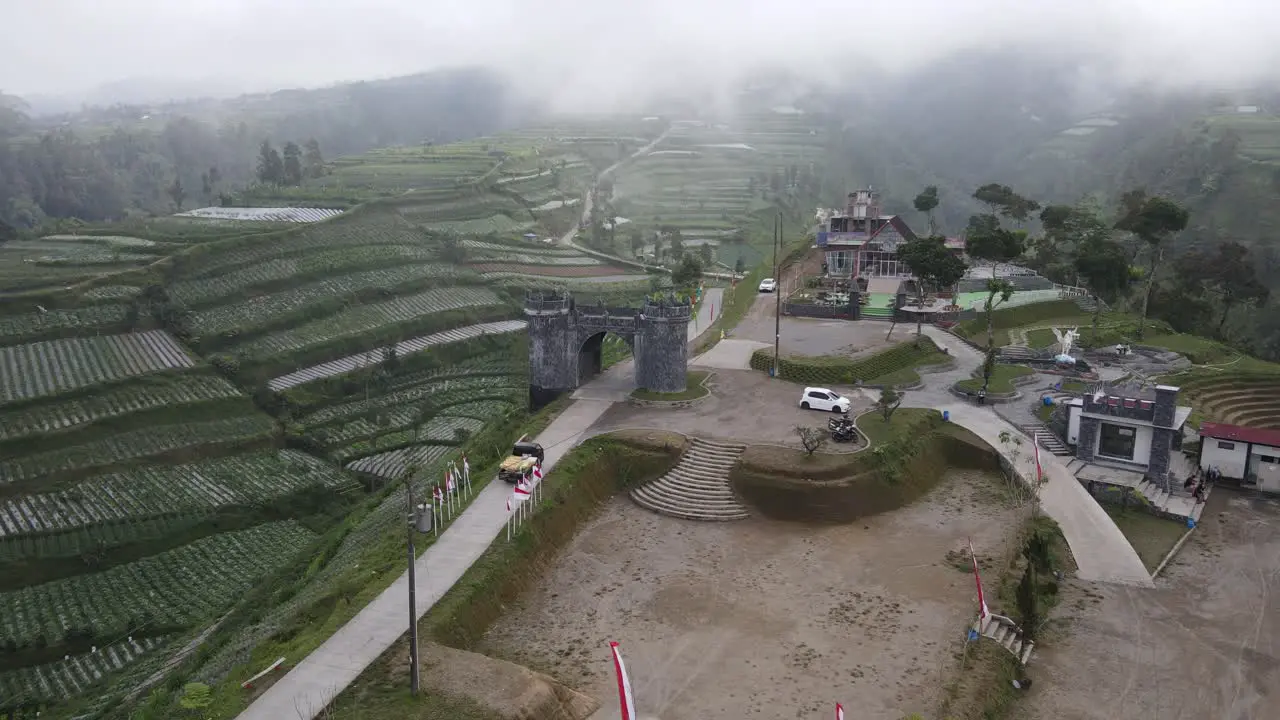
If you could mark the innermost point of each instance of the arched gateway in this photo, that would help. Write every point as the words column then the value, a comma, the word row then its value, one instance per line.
column 566, row 341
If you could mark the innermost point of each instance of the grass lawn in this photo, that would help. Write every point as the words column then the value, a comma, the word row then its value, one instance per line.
column 1198, row 350
column 1152, row 537
column 1001, row 379
column 908, row 376
column 693, row 390
column 872, row 423
column 1041, row 338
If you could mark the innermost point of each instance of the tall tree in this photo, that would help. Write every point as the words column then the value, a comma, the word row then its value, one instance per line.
column 312, row 159
column 177, row 192
column 292, row 163
column 935, row 267
column 270, row 166
column 1079, row 233
column 1228, row 273
column 1151, row 219
column 1002, row 289
column 926, row 202
column 705, row 255
column 986, row 240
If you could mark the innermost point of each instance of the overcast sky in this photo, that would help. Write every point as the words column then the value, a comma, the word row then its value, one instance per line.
column 599, row 47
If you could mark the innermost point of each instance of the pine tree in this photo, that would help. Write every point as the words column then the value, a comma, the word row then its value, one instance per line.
column 292, row 164
column 312, row 160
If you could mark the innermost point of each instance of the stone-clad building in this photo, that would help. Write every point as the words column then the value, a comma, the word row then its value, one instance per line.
column 1135, row 428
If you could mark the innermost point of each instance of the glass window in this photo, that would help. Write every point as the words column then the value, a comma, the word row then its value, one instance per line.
column 1226, row 445
column 1270, row 459
column 1116, row 441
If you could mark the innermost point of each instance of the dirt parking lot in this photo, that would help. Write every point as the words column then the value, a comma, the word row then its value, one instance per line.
column 811, row 336
column 761, row 619
column 1203, row 645
column 744, row 405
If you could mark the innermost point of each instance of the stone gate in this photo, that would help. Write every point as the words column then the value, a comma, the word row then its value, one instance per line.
column 566, row 342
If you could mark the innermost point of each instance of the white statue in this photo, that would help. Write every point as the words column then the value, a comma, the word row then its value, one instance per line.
column 1066, row 339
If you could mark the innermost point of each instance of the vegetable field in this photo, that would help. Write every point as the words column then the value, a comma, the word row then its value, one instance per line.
column 112, row 402
column 66, row 678
column 18, row 328
column 164, row 592
column 373, row 357
column 440, row 392
column 364, row 318
column 134, row 495
column 46, row 368
column 135, row 444
column 112, row 292
column 262, row 310
column 391, row 465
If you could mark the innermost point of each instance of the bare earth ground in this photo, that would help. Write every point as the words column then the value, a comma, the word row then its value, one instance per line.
column 745, row 405
column 1202, row 644
column 756, row 618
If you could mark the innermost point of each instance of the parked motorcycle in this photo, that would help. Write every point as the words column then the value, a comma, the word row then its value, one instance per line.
column 841, row 429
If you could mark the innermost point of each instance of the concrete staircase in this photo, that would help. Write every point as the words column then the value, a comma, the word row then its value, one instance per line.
column 1007, row 634
column 697, row 488
column 1015, row 353
column 1047, row 439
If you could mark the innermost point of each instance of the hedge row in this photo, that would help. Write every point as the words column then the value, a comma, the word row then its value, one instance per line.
column 832, row 370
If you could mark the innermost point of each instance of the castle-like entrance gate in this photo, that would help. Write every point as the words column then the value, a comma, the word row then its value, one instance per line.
column 566, row 343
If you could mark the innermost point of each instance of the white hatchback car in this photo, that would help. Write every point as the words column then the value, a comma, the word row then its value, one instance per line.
column 815, row 398
column 768, row 285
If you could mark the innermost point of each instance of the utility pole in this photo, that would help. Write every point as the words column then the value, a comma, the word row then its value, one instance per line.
column 413, row 584
column 777, row 291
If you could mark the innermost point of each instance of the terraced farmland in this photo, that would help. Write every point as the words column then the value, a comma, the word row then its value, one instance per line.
column 357, row 231
column 160, row 593
column 53, row 366
column 391, row 465
column 363, row 318
column 264, row 310
column 147, row 394
column 125, row 498
column 134, row 444
column 407, row 347
column 30, row 326
column 66, row 678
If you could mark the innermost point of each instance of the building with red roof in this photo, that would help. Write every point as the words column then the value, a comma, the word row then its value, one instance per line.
column 1250, row 455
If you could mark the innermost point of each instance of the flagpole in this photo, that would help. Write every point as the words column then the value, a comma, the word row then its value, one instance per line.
column 413, row 602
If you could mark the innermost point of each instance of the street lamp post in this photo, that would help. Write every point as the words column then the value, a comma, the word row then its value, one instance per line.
column 419, row 520
column 777, row 290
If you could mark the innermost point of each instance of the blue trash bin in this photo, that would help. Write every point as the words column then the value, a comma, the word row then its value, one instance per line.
column 946, row 416
column 1048, row 401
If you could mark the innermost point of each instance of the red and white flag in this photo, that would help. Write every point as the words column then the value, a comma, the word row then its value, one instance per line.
column 448, row 482
column 839, row 711
column 508, row 504
column 982, row 601
column 1035, row 439
column 522, row 490
column 624, row 685
column 438, row 494
column 537, row 473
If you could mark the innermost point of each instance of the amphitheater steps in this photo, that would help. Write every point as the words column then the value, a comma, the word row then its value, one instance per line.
column 1006, row 634
column 697, row 488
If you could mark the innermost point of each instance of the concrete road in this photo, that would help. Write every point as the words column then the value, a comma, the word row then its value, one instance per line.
column 315, row 681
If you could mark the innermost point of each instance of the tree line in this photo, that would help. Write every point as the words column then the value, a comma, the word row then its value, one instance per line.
column 1118, row 255
column 107, row 164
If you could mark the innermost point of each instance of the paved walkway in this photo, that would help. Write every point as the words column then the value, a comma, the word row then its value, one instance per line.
column 314, row 682
column 1101, row 551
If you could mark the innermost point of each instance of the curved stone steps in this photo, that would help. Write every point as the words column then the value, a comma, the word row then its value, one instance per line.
column 1005, row 633
column 697, row 488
